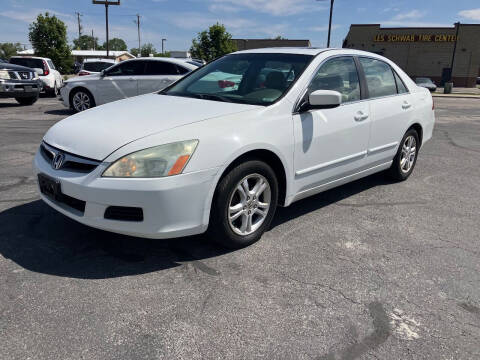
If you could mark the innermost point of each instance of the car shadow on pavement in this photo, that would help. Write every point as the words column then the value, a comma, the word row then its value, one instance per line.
column 40, row 239
column 60, row 112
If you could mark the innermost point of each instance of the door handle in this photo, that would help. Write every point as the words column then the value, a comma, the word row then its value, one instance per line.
column 360, row 116
column 406, row 105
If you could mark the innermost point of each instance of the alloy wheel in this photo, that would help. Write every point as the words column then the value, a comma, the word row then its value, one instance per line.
column 249, row 204
column 409, row 152
column 81, row 101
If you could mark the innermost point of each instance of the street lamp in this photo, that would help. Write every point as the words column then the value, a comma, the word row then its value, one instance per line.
column 329, row 22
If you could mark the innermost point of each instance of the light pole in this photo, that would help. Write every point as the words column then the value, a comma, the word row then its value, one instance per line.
column 330, row 21
column 106, row 3
column 163, row 40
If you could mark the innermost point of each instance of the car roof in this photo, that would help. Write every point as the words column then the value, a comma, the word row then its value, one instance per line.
column 99, row 60
column 30, row 57
column 165, row 59
column 307, row 51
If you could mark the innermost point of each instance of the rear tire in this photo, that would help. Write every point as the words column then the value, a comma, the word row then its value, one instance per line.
column 406, row 157
column 27, row 100
column 243, row 205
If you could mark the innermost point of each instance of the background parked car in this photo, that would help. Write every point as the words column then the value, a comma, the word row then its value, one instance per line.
column 50, row 77
column 19, row 82
column 94, row 66
column 126, row 79
column 426, row 83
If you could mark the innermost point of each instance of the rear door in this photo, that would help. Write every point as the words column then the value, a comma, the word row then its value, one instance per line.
column 391, row 109
column 158, row 75
column 120, row 82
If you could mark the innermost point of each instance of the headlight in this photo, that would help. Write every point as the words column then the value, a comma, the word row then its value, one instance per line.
column 4, row 75
column 158, row 161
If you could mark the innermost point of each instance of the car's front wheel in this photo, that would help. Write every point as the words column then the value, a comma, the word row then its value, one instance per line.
column 244, row 204
column 81, row 100
column 406, row 157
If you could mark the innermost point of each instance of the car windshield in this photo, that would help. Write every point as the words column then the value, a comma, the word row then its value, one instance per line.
column 28, row 62
column 256, row 79
column 96, row 66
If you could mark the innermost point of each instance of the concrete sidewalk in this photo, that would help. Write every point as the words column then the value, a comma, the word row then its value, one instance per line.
column 459, row 92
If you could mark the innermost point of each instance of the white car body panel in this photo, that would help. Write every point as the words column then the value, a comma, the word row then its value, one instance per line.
column 318, row 149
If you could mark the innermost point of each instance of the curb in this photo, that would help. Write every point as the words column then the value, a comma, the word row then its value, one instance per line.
column 456, row 96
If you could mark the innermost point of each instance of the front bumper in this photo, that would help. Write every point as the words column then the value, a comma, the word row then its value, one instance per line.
column 10, row 89
column 172, row 206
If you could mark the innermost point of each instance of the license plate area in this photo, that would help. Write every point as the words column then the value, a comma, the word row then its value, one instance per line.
column 28, row 88
column 49, row 187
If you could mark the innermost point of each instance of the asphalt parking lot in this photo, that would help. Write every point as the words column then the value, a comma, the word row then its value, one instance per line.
column 370, row 270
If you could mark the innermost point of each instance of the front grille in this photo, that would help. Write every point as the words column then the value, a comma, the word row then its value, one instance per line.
column 24, row 75
column 13, row 75
column 71, row 162
column 124, row 213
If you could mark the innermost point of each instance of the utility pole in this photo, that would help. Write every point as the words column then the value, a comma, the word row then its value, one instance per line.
column 138, row 29
column 106, row 3
column 79, row 24
column 93, row 41
column 329, row 22
column 457, row 25
column 163, row 40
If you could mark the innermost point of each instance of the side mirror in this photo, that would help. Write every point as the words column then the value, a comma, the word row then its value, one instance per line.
column 324, row 99
column 38, row 71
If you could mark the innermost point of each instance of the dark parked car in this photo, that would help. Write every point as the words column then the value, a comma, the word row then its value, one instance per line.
column 19, row 82
column 426, row 83
column 478, row 80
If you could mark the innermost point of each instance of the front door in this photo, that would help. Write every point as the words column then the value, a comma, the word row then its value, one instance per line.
column 120, row 82
column 332, row 143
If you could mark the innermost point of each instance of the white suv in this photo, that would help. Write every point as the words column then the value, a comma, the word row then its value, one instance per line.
column 48, row 74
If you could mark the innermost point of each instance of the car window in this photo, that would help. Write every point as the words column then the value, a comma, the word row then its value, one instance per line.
column 182, row 70
column 338, row 74
column 243, row 78
column 380, row 79
column 154, row 67
column 50, row 63
column 96, row 66
column 128, row 68
column 401, row 88
column 28, row 62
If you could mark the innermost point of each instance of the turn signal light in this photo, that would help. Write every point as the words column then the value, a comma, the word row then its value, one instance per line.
column 179, row 165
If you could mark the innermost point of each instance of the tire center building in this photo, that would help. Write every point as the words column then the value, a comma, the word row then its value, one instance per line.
column 424, row 52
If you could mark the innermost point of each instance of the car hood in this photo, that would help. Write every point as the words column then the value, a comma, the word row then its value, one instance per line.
column 98, row 132
column 93, row 76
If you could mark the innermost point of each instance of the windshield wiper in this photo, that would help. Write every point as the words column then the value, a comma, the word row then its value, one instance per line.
column 212, row 97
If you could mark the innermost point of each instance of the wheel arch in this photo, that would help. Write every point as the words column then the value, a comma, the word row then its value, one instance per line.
column 419, row 129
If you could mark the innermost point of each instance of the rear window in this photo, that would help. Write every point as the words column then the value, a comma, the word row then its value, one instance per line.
column 28, row 62
column 96, row 66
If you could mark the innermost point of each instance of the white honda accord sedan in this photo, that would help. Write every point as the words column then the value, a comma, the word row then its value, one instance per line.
column 194, row 157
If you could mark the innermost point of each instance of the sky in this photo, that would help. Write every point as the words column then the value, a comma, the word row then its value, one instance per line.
column 179, row 21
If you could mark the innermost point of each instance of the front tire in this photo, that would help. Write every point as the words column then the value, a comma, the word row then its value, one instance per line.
column 27, row 100
column 406, row 157
column 81, row 100
column 243, row 205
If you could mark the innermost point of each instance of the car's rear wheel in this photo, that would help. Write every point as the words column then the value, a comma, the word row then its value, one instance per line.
column 244, row 204
column 406, row 157
column 27, row 100
column 81, row 100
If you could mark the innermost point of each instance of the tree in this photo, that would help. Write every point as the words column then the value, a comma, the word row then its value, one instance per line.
column 279, row 37
column 145, row 50
column 48, row 36
column 212, row 43
column 85, row 42
column 7, row 50
column 115, row 44
column 166, row 54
